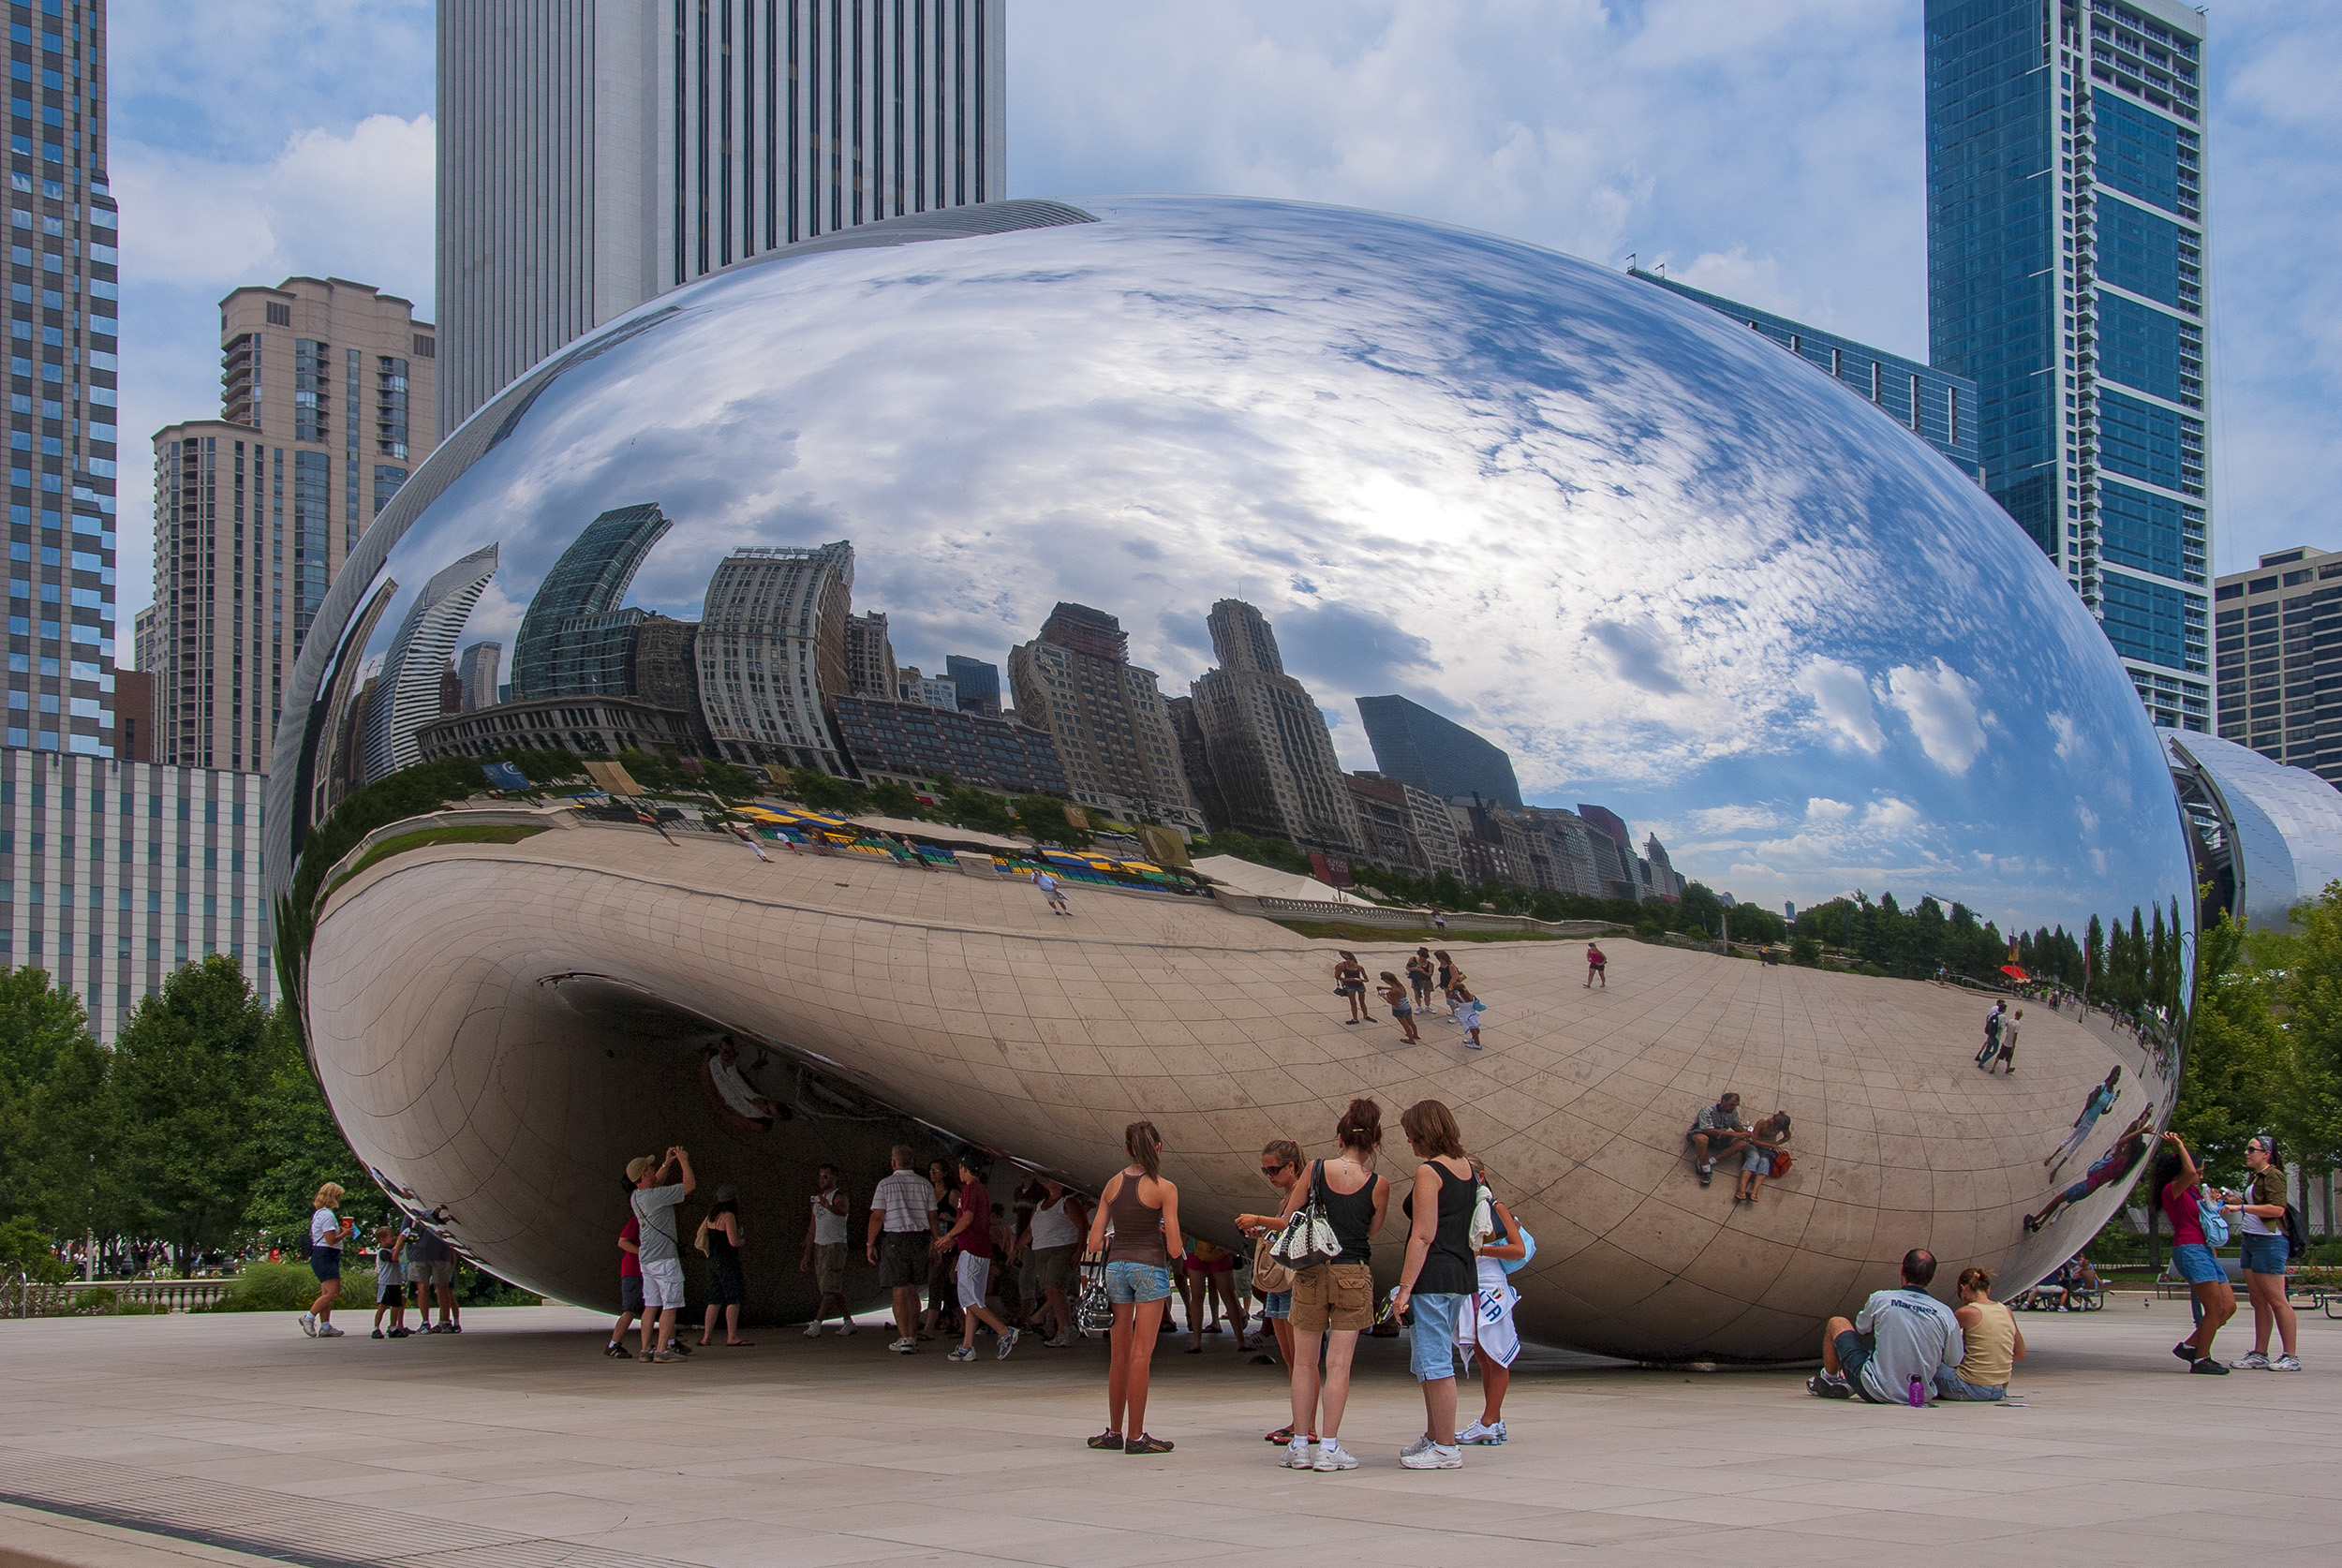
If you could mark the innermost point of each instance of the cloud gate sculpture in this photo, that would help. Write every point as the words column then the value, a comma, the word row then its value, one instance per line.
column 1656, row 560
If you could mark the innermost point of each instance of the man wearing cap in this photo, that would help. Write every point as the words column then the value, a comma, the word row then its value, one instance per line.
column 654, row 1201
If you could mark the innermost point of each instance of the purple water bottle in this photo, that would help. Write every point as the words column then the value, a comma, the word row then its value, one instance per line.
column 1919, row 1395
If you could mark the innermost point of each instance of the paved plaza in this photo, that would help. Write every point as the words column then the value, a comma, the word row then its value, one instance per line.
column 516, row 1445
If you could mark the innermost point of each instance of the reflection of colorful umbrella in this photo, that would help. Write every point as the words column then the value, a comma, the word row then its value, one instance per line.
column 2015, row 973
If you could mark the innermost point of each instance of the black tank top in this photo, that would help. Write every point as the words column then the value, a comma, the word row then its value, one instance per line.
column 1137, row 1227
column 1351, row 1216
column 1448, row 1269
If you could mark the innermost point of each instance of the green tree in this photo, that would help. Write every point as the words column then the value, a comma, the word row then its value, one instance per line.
column 2234, row 1046
column 822, row 791
column 55, row 1169
column 2306, row 1109
column 187, row 1072
column 1044, row 816
column 297, row 1148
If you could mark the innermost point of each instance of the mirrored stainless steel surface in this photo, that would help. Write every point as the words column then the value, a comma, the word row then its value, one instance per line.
column 1664, row 565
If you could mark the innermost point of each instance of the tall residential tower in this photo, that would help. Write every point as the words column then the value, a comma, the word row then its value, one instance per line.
column 322, row 417
column 593, row 153
column 2065, row 275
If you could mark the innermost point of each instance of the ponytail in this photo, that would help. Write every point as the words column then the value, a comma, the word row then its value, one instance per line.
column 1143, row 1144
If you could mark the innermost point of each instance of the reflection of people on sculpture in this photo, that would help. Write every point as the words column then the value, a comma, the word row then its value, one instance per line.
column 2100, row 1100
column 1763, row 1157
column 1891, row 1352
column 736, row 1100
column 2113, row 1165
column 2178, row 1187
column 1718, row 1131
column 2007, row 1061
column 1992, row 1034
column 1597, row 967
column 1350, row 981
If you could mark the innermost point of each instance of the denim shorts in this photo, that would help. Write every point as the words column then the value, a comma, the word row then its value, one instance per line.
column 1131, row 1283
column 1949, row 1385
column 1276, row 1304
column 1432, row 1345
column 2264, row 1254
column 2197, row 1265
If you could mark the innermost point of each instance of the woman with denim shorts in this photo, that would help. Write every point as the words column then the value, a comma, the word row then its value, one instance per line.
column 1144, row 1211
column 1281, row 1164
column 2260, row 1227
column 2178, row 1186
column 1440, row 1277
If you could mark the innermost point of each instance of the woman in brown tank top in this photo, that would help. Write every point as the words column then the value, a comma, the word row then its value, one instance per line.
column 1144, row 1210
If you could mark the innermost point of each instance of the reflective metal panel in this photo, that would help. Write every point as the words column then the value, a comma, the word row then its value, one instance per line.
column 1662, row 565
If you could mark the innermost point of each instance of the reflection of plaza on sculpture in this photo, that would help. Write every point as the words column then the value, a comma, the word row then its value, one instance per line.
column 1785, row 639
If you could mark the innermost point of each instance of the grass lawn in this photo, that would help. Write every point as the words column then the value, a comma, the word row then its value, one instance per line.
column 1342, row 931
column 484, row 832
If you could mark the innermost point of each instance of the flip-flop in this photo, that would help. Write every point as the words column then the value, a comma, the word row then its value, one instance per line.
column 738, row 1345
column 1282, row 1434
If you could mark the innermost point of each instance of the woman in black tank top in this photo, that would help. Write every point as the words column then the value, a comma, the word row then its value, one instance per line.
column 1439, row 1279
column 1337, row 1298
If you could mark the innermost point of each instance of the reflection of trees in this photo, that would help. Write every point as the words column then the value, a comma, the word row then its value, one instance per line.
column 2133, row 967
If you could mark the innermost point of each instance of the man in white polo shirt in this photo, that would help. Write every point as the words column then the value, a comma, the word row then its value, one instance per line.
column 902, row 1215
column 654, row 1201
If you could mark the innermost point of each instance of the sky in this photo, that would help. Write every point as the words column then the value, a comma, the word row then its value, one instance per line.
column 1769, row 153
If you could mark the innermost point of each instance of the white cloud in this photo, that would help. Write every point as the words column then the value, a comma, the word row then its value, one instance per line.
column 357, row 205
column 1842, row 697
column 1733, row 818
column 1890, row 814
column 1939, row 704
column 1821, row 809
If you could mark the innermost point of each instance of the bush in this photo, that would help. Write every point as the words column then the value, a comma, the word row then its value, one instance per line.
column 286, row 1287
column 98, row 1303
column 24, row 1245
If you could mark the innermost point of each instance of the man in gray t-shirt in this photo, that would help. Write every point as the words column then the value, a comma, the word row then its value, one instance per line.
column 654, row 1200
column 1899, row 1336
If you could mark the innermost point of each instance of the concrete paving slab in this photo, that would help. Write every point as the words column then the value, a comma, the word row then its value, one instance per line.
column 227, row 1439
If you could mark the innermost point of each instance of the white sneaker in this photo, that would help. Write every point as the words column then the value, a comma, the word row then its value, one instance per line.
column 1297, row 1454
column 904, row 1347
column 327, row 1331
column 1418, row 1447
column 309, row 1325
column 1008, row 1343
column 1482, row 1434
column 1332, row 1456
column 813, row 1331
column 1061, row 1340
column 1434, row 1455
column 846, row 1332
column 962, row 1352
column 2285, row 1363
column 2252, row 1361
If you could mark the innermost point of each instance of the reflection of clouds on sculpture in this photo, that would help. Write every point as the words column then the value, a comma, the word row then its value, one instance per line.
column 1658, row 561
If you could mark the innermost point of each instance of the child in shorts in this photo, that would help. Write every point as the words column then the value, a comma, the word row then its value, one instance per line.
column 1468, row 1013
column 390, row 1285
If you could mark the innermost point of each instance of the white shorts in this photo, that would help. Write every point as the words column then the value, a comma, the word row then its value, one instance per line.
column 662, row 1284
column 974, row 1275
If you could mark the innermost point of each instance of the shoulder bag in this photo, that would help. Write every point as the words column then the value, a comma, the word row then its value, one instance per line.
column 1307, row 1238
column 1268, row 1275
column 1093, row 1313
column 2214, row 1223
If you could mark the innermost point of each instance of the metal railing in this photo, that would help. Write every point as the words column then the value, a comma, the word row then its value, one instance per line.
column 24, row 1297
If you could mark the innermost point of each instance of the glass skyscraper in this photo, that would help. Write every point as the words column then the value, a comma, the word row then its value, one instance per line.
column 1435, row 754
column 63, row 286
column 2065, row 276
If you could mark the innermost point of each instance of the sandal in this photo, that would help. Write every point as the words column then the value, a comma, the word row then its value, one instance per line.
column 1282, row 1434
column 1107, row 1439
column 1145, row 1444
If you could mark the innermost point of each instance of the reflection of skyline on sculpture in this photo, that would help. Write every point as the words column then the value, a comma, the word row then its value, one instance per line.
column 1407, row 530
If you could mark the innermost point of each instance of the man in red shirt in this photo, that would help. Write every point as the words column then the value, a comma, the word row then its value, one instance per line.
column 971, row 1235
column 629, row 1288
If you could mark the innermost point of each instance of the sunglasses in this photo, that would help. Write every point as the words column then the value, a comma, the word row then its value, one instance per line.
column 1272, row 1170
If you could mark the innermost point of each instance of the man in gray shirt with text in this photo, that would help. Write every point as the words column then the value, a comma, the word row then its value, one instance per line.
column 1893, row 1345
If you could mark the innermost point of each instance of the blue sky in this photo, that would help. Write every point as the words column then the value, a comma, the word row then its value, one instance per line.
column 1772, row 153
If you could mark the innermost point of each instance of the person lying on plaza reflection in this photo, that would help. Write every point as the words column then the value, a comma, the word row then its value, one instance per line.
column 735, row 1100
column 2115, row 1163
column 1891, row 1352
column 1717, row 1130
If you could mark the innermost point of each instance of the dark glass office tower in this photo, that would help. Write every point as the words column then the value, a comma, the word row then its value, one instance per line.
column 1438, row 756
column 977, row 682
column 2065, row 276
column 575, row 640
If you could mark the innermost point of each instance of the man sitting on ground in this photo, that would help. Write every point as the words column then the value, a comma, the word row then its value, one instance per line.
column 1718, row 1131
column 1893, row 1345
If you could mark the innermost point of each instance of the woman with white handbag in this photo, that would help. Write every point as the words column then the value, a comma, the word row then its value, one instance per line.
column 1331, row 1217
column 1499, row 1246
column 1281, row 1166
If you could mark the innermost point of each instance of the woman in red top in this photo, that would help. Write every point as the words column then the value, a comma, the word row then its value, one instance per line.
column 2178, row 1186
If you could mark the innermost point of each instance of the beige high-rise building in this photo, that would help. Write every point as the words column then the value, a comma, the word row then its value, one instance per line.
column 1111, row 725
column 327, row 403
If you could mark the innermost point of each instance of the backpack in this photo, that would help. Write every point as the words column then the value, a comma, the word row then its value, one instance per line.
column 2296, row 1238
column 2214, row 1223
column 1992, row 1027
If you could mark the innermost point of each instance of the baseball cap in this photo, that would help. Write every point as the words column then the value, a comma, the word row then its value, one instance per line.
column 636, row 1166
